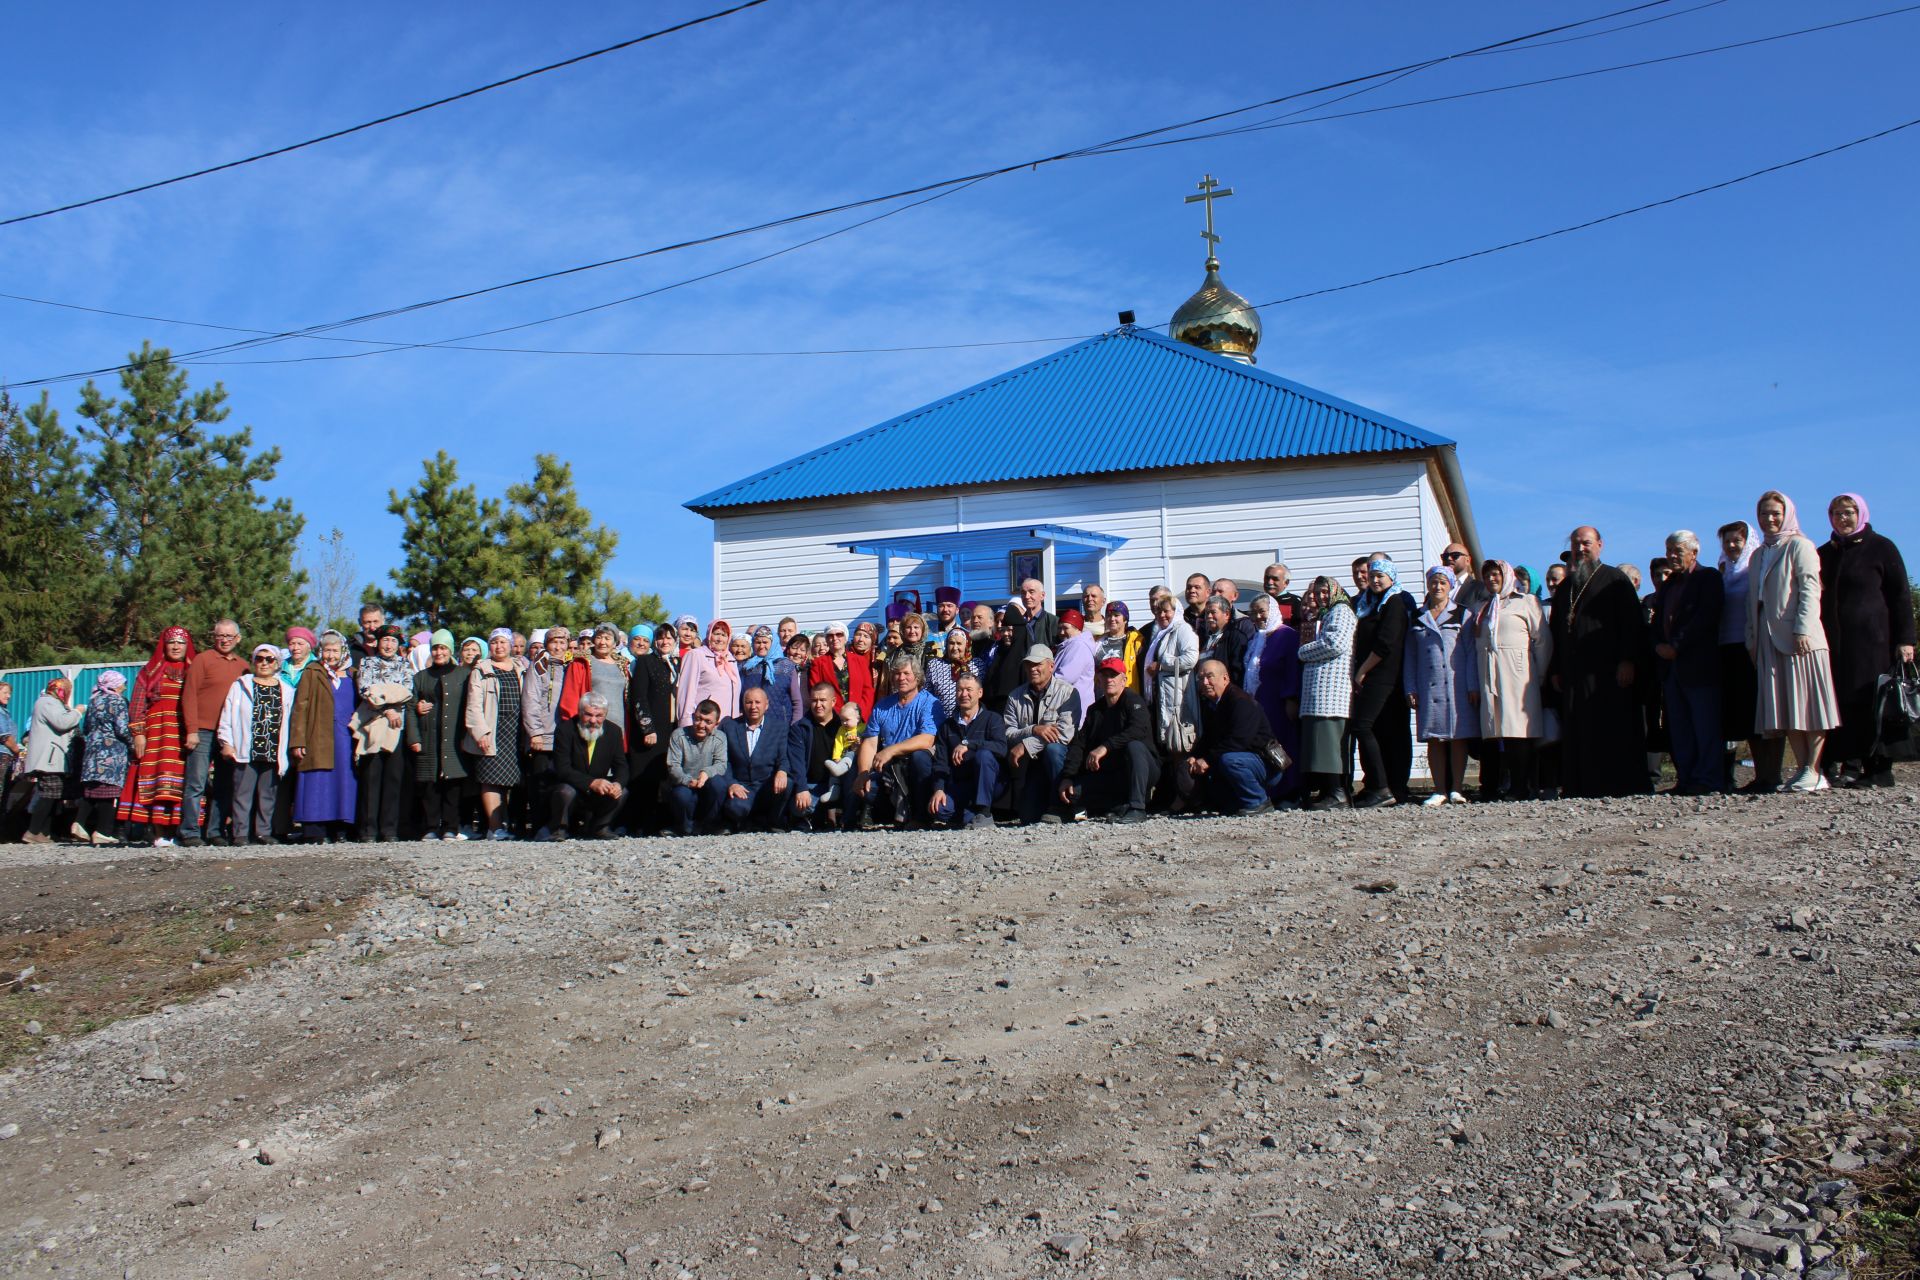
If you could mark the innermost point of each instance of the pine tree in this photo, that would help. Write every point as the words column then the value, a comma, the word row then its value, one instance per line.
column 546, row 559
column 440, row 580
column 49, row 570
column 184, row 535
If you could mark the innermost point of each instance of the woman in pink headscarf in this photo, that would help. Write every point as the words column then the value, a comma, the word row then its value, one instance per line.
column 1868, row 615
column 710, row 672
column 1788, row 642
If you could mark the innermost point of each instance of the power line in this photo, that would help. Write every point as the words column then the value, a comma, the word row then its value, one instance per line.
column 380, row 347
column 1570, row 229
column 853, row 205
column 1292, row 119
column 386, row 119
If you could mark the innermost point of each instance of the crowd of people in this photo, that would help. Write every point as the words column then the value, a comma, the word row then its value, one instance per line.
column 1564, row 683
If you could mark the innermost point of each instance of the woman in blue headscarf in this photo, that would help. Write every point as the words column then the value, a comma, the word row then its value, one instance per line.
column 1437, row 674
column 1530, row 583
column 756, row 669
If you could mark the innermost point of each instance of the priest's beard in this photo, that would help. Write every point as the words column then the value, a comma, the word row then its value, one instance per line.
column 593, row 734
column 1581, row 572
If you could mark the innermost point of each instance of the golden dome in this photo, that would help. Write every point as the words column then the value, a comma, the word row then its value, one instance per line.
column 1217, row 319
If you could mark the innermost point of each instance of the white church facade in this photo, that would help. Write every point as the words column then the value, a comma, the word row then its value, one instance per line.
column 1129, row 460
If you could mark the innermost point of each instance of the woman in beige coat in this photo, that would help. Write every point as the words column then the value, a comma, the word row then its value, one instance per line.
column 1512, row 645
column 492, row 723
column 1788, row 644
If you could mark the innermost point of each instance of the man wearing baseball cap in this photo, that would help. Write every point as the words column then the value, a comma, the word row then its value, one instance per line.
column 1042, row 716
column 1111, row 767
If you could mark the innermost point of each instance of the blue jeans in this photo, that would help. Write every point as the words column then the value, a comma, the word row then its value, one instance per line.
column 698, row 810
column 971, row 787
column 1239, row 781
column 1037, row 781
column 1694, row 737
column 806, row 821
column 200, row 761
column 759, row 807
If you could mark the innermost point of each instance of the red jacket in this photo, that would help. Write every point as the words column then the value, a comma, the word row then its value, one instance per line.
column 859, row 680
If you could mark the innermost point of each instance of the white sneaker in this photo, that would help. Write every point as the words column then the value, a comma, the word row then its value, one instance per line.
column 455, row 835
column 1433, row 801
column 162, row 842
column 1809, row 780
column 1454, row 797
column 80, row 834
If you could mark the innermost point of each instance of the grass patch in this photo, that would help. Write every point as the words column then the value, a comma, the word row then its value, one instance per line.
column 1886, row 1240
column 93, row 974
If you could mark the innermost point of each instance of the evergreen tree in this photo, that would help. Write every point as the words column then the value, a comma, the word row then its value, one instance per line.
column 546, row 560
column 184, row 535
column 49, row 569
column 441, row 579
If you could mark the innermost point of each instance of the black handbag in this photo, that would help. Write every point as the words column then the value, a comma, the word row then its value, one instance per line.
column 1896, row 704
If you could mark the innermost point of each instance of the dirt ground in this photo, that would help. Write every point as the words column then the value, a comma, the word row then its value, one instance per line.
column 1650, row 1038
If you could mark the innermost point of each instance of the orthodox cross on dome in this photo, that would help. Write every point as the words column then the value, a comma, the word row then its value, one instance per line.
column 1210, row 191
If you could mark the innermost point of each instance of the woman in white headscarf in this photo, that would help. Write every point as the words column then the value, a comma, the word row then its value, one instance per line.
column 1512, row 647
column 1739, row 689
column 1171, row 654
column 1789, row 645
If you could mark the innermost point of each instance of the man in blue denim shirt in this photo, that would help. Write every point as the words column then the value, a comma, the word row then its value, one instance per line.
column 896, row 751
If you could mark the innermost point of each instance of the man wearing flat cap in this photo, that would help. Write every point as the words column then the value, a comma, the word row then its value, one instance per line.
column 1042, row 715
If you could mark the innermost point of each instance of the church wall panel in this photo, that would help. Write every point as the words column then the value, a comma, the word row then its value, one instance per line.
column 775, row 562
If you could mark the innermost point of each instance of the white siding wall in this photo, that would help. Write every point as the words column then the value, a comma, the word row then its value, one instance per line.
column 775, row 563
column 1434, row 536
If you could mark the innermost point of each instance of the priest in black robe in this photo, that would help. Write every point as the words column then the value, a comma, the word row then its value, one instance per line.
column 1599, row 646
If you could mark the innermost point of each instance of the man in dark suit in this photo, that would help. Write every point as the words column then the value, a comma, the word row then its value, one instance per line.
column 969, row 753
column 589, row 770
column 757, row 755
column 1229, row 767
column 1111, row 764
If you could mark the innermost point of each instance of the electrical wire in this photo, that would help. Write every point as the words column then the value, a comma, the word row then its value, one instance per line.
column 386, row 119
column 1382, row 277
column 377, row 347
column 1289, row 120
column 849, row 206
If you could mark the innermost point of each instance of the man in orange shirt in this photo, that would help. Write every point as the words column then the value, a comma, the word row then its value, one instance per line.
column 209, row 676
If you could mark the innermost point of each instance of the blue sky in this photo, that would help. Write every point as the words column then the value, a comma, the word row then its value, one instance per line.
column 1655, row 373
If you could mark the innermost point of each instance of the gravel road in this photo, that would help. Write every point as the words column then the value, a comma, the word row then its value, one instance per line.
column 1647, row 1038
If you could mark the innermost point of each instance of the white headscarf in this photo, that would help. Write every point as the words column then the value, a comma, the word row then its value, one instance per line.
column 1257, row 646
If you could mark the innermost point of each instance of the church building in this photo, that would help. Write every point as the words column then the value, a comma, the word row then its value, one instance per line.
column 1129, row 459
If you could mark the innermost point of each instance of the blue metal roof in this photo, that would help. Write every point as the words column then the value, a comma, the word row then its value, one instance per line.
column 1129, row 400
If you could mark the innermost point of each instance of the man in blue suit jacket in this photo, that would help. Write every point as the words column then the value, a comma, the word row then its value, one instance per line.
column 757, row 750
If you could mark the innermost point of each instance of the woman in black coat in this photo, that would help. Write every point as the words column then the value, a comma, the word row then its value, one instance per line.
column 1866, row 607
column 650, row 694
column 1379, row 719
